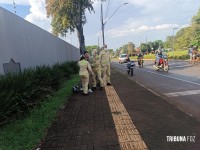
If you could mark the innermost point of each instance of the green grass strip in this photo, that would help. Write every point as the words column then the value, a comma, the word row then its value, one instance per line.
column 26, row 133
column 179, row 54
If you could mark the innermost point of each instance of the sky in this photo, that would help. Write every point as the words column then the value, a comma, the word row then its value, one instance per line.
column 139, row 21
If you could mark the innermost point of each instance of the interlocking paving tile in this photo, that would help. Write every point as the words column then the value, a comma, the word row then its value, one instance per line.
column 128, row 136
column 108, row 121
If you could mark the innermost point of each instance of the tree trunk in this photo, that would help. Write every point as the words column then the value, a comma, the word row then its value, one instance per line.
column 81, row 39
column 79, row 28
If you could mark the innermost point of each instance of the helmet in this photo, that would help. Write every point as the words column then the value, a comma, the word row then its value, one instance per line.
column 75, row 89
column 159, row 52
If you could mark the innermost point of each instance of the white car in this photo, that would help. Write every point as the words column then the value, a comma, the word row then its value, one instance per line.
column 123, row 58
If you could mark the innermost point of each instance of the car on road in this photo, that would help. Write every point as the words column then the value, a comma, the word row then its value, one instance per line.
column 123, row 58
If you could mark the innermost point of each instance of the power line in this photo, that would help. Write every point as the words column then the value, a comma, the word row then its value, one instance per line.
column 14, row 6
column 107, row 9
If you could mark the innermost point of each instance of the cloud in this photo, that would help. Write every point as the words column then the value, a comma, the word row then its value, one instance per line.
column 17, row 2
column 38, row 15
column 132, row 29
column 185, row 25
column 137, row 19
column 147, row 15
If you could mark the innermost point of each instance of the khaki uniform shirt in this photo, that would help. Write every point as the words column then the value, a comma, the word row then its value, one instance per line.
column 104, row 58
column 95, row 61
column 85, row 67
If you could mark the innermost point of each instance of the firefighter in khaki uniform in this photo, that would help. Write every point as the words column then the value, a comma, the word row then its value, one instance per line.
column 85, row 68
column 105, row 60
column 95, row 63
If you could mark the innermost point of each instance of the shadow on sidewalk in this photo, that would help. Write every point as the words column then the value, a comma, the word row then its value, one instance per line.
column 85, row 123
column 154, row 117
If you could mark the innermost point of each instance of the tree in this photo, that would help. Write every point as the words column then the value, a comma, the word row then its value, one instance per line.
column 158, row 44
column 124, row 49
column 183, row 38
column 90, row 48
column 111, row 52
column 195, row 29
column 168, row 42
column 186, row 36
column 143, row 47
column 130, row 48
column 68, row 15
column 148, row 47
column 151, row 46
column 117, row 52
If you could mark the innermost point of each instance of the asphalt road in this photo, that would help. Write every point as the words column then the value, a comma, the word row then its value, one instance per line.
column 180, row 86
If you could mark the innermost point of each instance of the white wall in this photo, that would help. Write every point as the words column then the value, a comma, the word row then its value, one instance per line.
column 30, row 45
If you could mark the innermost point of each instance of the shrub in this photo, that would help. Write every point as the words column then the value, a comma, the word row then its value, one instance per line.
column 19, row 93
column 26, row 133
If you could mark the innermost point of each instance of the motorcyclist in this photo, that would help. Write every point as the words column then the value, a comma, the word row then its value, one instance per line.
column 130, row 66
column 128, row 58
column 140, row 56
column 158, row 57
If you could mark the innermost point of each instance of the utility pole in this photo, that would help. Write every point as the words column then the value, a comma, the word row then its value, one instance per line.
column 98, row 46
column 104, row 23
column 173, row 41
column 146, row 45
column 98, row 41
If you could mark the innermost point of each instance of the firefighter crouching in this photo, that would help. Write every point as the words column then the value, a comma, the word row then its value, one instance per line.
column 85, row 68
column 96, row 68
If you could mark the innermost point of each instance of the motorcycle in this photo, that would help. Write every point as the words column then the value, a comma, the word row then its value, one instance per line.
column 163, row 64
column 130, row 67
column 140, row 62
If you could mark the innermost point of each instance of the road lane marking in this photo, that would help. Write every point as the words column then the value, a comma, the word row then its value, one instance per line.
column 182, row 66
column 184, row 93
column 189, row 114
column 147, row 88
column 152, row 91
column 128, row 136
column 131, row 78
column 171, row 77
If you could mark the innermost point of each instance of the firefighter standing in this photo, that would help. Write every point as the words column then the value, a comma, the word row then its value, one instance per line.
column 96, row 68
column 85, row 68
column 105, row 60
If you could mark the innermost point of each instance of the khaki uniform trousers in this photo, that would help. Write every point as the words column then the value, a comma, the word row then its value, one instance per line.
column 97, row 75
column 85, row 82
column 105, row 70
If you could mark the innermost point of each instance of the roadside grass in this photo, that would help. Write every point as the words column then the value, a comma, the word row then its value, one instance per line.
column 179, row 54
column 26, row 133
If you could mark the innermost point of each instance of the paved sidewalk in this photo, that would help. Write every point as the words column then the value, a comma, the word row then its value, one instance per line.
column 123, row 116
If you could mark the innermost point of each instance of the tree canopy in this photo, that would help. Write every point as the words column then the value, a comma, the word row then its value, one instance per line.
column 90, row 48
column 128, row 48
column 186, row 36
column 68, row 15
column 195, row 29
